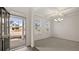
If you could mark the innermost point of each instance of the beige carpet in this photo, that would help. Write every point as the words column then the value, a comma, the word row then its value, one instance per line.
column 56, row 44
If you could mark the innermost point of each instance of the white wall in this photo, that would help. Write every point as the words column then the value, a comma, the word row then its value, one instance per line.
column 28, row 28
column 44, row 25
column 68, row 28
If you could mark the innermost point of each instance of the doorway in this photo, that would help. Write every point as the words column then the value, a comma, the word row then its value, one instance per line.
column 17, row 31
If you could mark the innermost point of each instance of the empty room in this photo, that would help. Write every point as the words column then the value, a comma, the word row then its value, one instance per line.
column 39, row 28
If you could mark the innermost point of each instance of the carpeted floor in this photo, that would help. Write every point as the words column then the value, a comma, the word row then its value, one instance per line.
column 56, row 44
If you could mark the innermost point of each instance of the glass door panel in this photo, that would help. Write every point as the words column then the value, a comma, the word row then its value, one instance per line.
column 6, row 33
column 4, row 29
column 0, row 31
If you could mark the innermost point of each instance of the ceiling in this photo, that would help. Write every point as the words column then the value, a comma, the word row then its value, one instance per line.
column 22, row 11
column 43, row 11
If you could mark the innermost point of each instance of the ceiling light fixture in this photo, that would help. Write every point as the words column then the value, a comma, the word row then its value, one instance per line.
column 59, row 16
